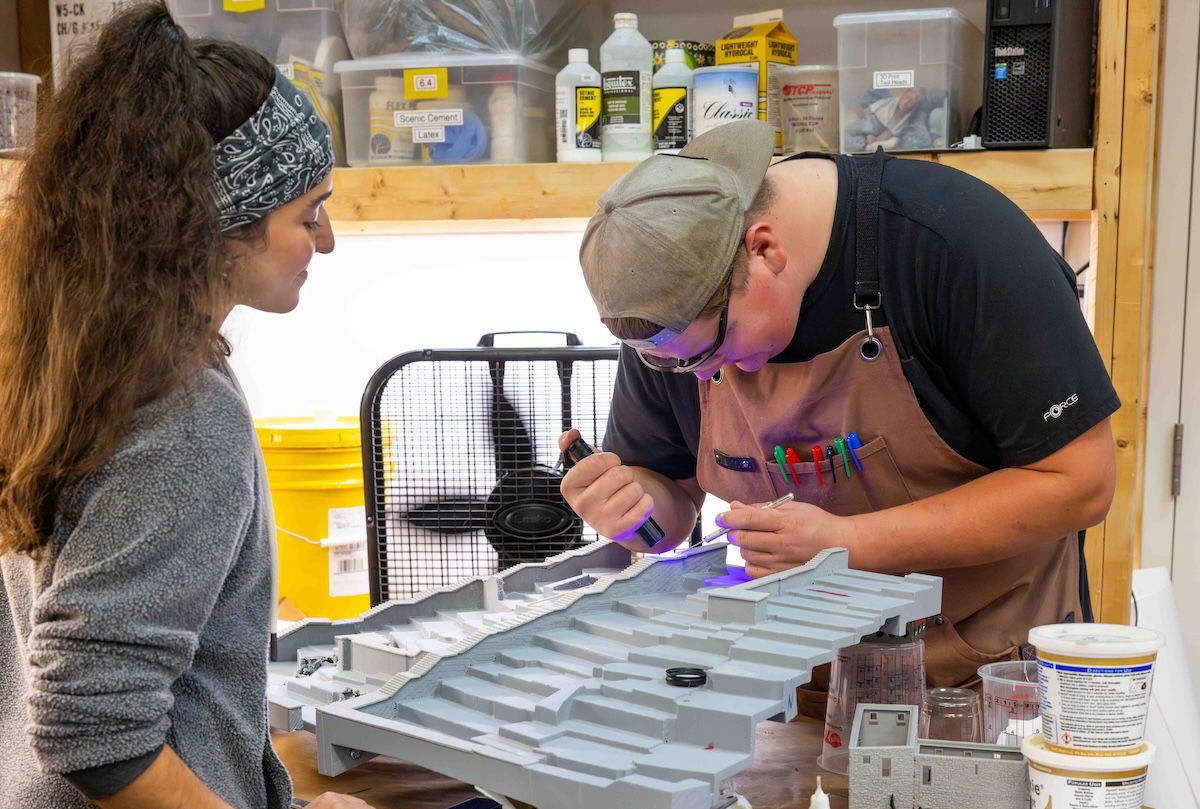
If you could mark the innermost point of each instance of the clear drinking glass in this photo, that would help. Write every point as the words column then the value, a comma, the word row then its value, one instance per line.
column 951, row 714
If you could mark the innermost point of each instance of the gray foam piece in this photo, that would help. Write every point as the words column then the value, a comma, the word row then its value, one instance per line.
column 890, row 768
column 558, row 698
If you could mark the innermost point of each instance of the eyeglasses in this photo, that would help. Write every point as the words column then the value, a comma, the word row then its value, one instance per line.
column 674, row 365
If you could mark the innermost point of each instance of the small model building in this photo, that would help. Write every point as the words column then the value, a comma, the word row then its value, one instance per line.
column 890, row 768
column 549, row 684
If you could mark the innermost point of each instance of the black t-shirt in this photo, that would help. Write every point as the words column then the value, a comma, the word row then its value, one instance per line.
column 984, row 312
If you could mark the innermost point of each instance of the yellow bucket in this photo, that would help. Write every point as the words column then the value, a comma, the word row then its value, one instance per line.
column 314, row 468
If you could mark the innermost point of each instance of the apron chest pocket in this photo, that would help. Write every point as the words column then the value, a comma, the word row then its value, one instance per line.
column 877, row 486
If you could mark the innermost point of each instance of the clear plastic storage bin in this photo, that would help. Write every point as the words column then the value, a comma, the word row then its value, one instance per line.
column 910, row 80
column 303, row 38
column 448, row 108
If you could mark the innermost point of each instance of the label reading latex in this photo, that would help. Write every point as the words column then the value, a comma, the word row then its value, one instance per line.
column 421, row 84
column 429, row 134
column 622, row 94
column 670, row 118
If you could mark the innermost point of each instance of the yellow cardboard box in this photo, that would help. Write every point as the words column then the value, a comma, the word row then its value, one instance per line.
column 763, row 40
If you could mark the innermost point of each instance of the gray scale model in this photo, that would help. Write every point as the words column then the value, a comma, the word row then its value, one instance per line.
column 546, row 683
column 890, row 768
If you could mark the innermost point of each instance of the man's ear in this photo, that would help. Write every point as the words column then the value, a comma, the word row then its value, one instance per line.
column 764, row 247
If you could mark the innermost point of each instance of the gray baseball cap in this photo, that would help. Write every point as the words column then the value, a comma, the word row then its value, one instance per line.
column 664, row 236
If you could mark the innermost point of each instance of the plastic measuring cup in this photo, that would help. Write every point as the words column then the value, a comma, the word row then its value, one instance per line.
column 886, row 670
column 1011, row 705
column 18, row 111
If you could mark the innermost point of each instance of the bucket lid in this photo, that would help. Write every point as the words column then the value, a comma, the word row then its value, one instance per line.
column 1096, row 640
column 1034, row 749
column 307, row 431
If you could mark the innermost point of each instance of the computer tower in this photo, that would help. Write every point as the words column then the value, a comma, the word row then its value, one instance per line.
column 1038, row 74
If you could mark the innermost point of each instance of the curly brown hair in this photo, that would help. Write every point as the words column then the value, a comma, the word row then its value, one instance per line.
column 114, row 271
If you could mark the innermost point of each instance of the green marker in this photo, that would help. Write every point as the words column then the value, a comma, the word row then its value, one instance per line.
column 781, row 459
column 839, row 444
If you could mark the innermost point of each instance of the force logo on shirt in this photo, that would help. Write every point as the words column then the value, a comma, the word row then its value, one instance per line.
column 1057, row 410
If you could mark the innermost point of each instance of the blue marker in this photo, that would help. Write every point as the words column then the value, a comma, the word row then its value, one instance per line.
column 852, row 443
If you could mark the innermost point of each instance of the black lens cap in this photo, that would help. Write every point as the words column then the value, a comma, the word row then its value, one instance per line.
column 686, row 677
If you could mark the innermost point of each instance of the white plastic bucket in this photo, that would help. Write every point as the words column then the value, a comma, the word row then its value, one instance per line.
column 1094, row 684
column 1059, row 781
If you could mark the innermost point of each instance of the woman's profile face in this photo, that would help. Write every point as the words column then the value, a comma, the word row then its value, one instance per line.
column 269, row 277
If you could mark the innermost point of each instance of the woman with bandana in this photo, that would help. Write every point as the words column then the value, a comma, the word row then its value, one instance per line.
column 171, row 180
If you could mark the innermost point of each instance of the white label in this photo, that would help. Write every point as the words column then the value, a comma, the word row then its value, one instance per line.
column 562, row 118
column 287, row 70
column 1052, row 791
column 425, row 82
column 74, row 26
column 889, row 79
column 348, row 523
column 429, row 134
column 1094, row 707
column 428, row 117
column 348, row 570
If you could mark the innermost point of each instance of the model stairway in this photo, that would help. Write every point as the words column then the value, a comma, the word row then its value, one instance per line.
column 566, row 703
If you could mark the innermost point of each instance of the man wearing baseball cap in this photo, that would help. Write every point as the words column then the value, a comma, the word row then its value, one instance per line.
column 787, row 306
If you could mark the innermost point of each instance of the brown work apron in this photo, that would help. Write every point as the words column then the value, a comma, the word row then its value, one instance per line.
column 987, row 609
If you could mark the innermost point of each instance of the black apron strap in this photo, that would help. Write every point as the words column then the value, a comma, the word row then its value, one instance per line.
column 866, row 209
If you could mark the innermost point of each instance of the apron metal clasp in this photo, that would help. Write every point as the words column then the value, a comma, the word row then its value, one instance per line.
column 870, row 348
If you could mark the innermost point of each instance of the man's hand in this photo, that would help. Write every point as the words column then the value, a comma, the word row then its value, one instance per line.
column 606, row 494
column 776, row 539
column 616, row 500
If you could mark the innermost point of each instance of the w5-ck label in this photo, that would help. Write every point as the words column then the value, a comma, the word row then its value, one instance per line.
column 671, row 118
column 622, row 99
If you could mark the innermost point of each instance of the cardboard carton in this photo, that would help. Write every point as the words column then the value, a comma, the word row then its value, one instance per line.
column 764, row 40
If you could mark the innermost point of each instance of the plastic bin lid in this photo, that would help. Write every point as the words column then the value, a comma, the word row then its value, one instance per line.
column 909, row 15
column 400, row 61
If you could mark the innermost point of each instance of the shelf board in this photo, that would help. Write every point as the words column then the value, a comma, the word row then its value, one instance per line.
column 1047, row 183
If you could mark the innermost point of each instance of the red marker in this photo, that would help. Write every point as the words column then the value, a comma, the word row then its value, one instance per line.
column 818, row 456
column 793, row 458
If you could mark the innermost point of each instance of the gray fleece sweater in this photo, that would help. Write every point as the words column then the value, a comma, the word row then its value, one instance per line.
column 146, row 621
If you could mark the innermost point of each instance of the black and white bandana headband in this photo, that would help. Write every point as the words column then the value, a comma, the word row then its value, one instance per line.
column 280, row 153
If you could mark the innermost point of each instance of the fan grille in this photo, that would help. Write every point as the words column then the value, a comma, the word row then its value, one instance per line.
column 462, row 479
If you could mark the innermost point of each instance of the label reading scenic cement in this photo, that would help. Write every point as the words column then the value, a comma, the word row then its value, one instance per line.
column 1089, row 707
column 428, row 117
column 670, row 118
column 587, row 117
column 622, row 99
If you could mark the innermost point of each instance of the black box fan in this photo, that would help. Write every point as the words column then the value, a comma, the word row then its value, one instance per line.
column 461, row 461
